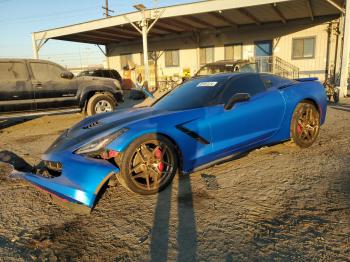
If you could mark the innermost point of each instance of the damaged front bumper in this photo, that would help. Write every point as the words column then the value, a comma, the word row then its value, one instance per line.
column 76, row 179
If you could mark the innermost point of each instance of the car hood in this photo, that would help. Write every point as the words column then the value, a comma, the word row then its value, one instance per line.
column 100, row 125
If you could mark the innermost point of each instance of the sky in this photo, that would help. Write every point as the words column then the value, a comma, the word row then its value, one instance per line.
column 19, row 18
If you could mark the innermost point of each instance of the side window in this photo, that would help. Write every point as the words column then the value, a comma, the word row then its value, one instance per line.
column 248, row 68
column 250, row 84
column 272, row 81
column 13, row 71
column 97, row 73
column 106, row 73
column 46, row 72
column 116, row 75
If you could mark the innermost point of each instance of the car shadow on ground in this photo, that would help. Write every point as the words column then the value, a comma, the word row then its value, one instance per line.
column 17, row 162
column 8, row 122
column 186, row 233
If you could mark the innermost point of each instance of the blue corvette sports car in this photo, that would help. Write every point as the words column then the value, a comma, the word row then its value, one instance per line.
column 202, row 122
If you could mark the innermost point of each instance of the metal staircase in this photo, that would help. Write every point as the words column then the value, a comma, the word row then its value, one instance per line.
column 276, row 65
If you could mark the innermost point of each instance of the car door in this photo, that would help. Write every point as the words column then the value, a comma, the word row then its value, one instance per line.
column 248, row 123
column 50, row 89
column 16, row 93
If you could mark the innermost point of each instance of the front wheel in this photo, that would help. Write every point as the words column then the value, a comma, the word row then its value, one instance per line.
column 148, row 165
column 305, row 124
column 100, row 103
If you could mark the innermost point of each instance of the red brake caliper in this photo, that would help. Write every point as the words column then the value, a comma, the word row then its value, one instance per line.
column 158, row 155
column 299, row 129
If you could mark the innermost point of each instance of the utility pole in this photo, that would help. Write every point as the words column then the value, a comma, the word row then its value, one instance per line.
column 107, row 10
column 144, row 27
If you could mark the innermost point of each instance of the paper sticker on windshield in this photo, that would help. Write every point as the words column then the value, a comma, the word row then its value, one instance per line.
column 207, row 84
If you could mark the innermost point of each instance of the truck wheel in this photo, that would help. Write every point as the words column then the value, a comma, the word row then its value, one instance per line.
column 100, row 103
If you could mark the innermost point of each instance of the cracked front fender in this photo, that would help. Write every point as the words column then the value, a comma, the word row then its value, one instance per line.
column 80, row 179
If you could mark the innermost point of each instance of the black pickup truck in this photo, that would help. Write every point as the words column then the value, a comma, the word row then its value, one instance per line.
column 39, row 86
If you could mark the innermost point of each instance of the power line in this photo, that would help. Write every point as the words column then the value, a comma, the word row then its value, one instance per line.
column 63, row 14
column 107, row 10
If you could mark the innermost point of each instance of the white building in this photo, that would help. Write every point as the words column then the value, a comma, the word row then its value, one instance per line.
column 306, row 34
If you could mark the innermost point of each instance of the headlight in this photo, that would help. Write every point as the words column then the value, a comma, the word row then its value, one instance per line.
column 99, row 145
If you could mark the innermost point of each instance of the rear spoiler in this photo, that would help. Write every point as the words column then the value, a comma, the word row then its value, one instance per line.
column 306, row 79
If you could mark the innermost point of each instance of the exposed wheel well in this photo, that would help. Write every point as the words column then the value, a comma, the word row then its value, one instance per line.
column 178, row 150
column 311, row 101
column 91, row 94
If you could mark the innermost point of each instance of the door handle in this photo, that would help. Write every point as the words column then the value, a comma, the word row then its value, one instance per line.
column 39, row 85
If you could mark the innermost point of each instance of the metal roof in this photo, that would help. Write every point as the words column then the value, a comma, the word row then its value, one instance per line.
column 191, row 17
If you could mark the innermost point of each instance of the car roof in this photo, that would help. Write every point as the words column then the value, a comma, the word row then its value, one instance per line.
column 229, row 75
column 231, row 62
column 23, row 59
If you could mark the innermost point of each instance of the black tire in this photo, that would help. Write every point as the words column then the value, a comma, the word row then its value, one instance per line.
column 140, row 168
column 305, row 124
column 100, row 103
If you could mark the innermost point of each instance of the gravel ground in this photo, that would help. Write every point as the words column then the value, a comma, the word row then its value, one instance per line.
column 276, row 203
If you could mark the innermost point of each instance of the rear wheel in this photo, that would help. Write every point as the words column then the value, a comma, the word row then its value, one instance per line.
column 305, row 124
column 148, row 165
column 100, row 103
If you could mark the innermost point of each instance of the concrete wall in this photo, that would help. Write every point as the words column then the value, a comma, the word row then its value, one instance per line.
column 281, row 35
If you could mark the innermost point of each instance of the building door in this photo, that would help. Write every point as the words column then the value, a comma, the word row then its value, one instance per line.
column 263, row 52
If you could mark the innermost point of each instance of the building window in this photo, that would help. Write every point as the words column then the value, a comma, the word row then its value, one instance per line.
column 172, row 58
column 125, row 60
column 233, row 52
column 206, row 55
column 303, row 48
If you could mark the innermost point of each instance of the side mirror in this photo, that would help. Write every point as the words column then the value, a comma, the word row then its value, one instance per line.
column 67, row 75
column 236, row 98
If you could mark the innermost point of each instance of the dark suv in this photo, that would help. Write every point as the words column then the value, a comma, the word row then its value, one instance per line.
column 107, row 73
column 28, row 85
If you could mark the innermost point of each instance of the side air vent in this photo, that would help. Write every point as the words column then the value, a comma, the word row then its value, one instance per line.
column 193, row 135
column 92, row 125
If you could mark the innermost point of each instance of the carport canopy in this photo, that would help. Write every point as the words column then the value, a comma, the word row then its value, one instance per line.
column 193, row 17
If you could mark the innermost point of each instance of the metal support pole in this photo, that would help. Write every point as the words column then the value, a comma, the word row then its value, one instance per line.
column 144, row 25
column 344, row 73
column 35, row 47
column 145, row 28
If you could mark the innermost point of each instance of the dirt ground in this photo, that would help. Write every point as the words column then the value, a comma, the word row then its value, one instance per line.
column 277, row 203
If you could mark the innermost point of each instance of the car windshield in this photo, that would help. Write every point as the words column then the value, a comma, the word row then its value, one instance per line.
column 86, row 73
column 195, row 93
column 215, row 69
